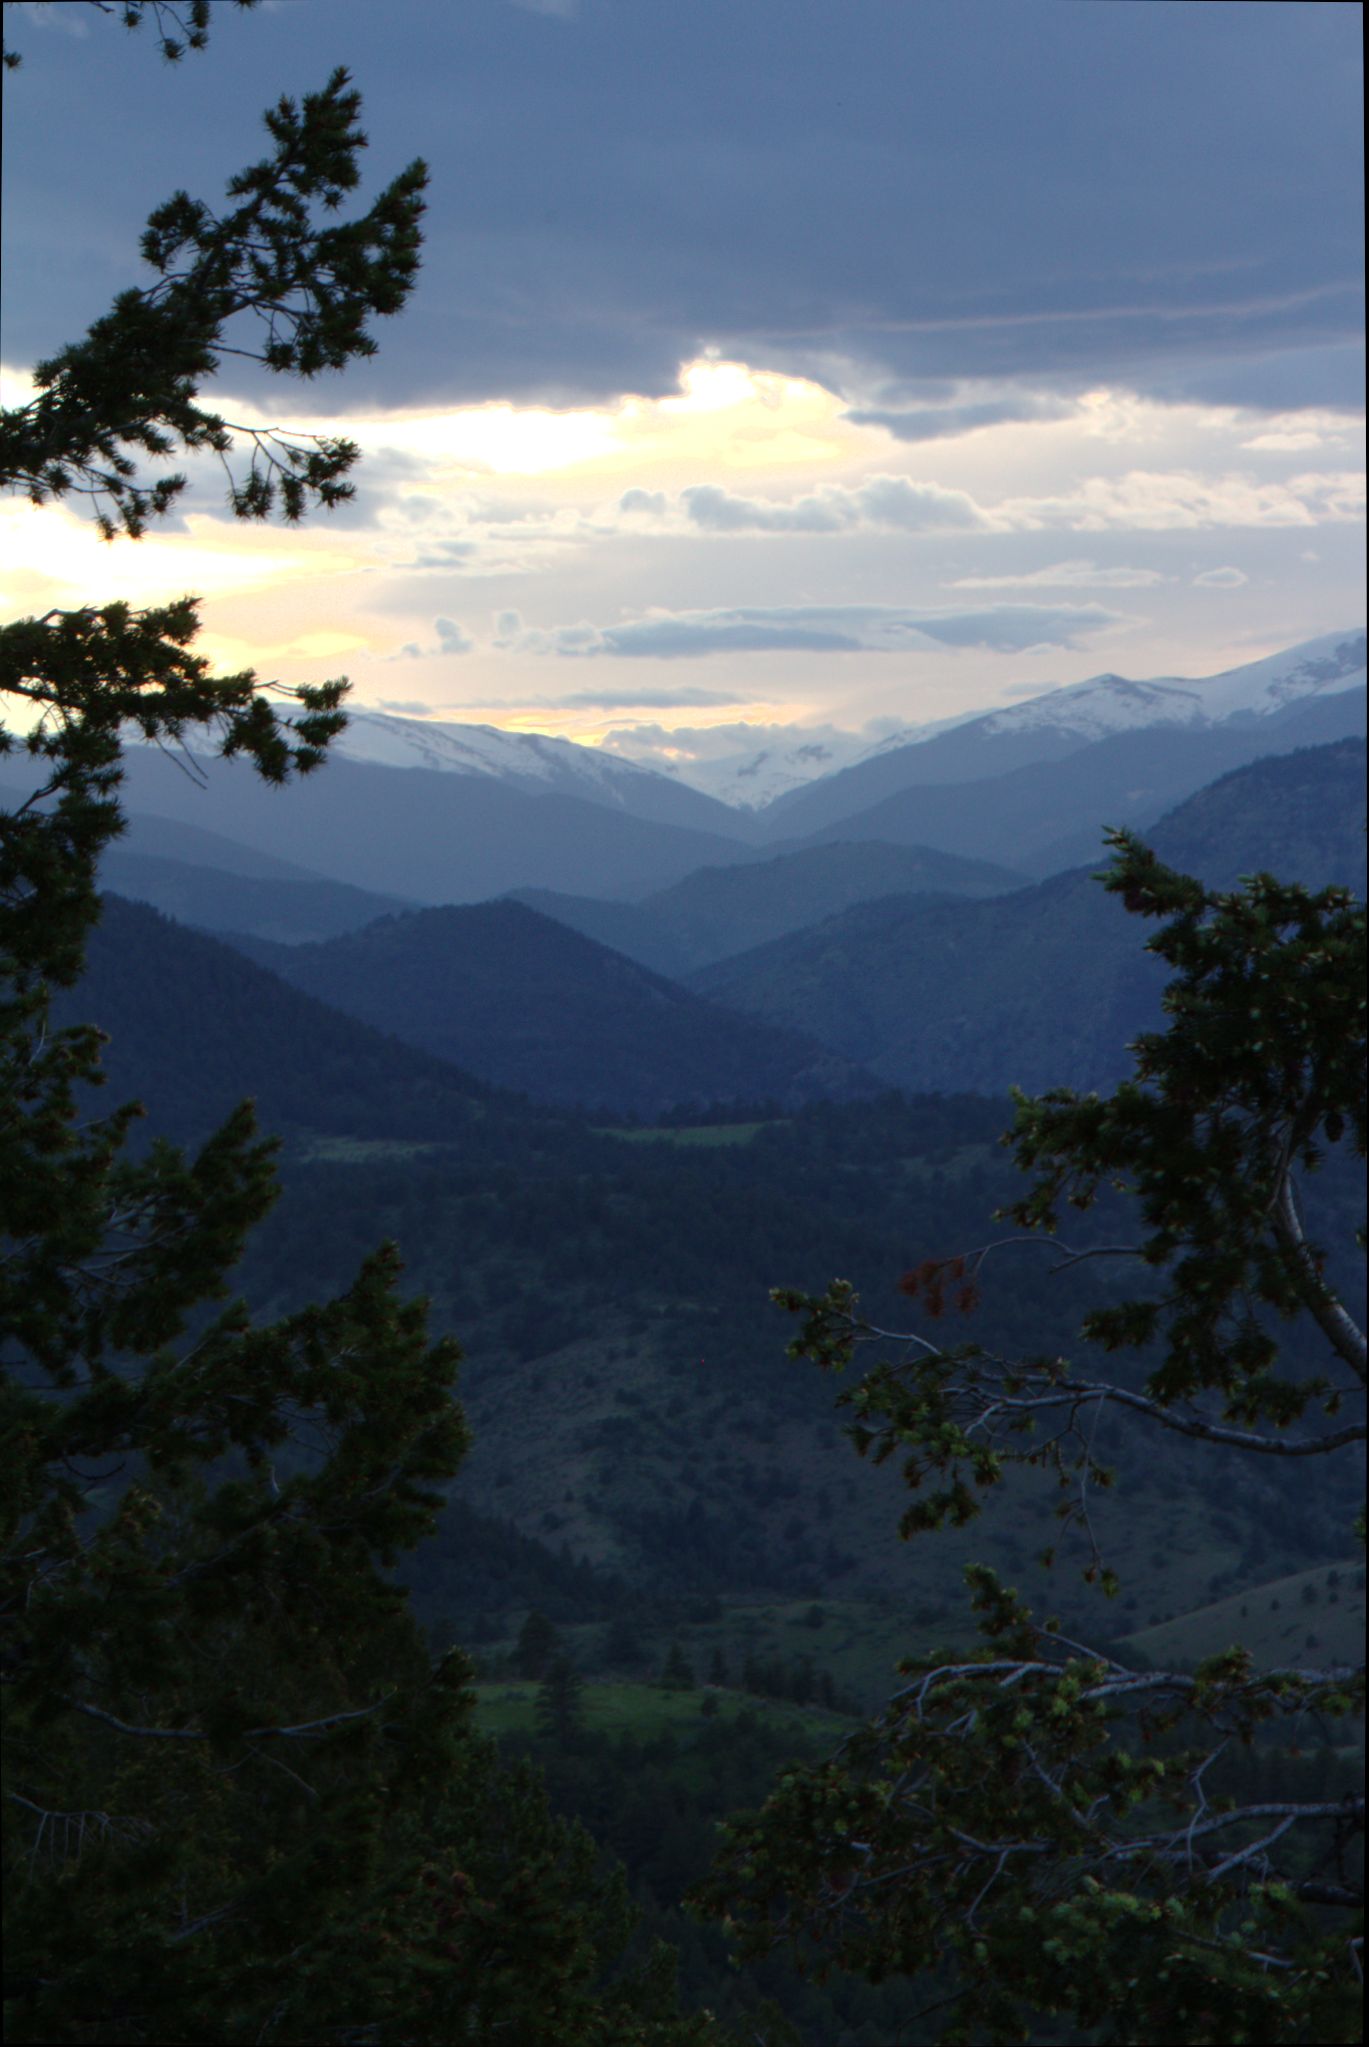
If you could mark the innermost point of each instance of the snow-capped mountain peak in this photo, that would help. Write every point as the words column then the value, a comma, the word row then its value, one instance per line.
column 1101, row 706
column 744, row 767
column 384, row 740
column 1108, row 704
column 1320, row 667
column 655, row 772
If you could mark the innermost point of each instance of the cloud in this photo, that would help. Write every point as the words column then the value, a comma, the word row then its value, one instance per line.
column 641, row 699
column 719, row 511
column 882, row 502
column 828, row 629
column 65, row 20
column 1141, row 500
column 1159, row 501
column 1069, row 575
column 945, row 422
column 642, row 501
column 406, row 707
column 888, row 191
column 1220, row 579
column 1285, row 440
column 452, row 638
column 438, row 554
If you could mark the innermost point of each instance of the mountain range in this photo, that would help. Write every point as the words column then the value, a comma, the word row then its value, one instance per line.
column 781, row 763
column 722, row 910
column 194, row 1028
column 481, row 813
column 912, row 986
column 935, row 993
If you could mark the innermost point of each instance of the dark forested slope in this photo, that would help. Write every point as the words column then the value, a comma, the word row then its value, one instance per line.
column 529, row 1004
column 194, row 1028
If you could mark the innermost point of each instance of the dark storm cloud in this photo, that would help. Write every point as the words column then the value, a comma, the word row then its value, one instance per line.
column 1053, row 195
column 944, row 422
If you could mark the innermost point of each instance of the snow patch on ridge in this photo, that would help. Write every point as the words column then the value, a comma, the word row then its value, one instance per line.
column 749, row 777
column 383, row 740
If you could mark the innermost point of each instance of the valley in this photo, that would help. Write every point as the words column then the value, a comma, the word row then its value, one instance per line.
column 602, row 1127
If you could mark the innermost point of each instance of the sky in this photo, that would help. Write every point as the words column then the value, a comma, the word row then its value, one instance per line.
column 841, row 363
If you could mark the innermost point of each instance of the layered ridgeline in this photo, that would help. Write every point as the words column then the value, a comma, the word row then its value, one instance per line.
column 436, row 835
column 625, row 1370
column 1049, row 982
column 428, row 813
column 194, row 1029
column 204, row 879
column 929, row 971
column 1144, row 743
column 722, row 910
column 532, row 1005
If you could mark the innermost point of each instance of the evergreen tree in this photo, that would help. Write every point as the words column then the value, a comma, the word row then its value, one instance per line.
column 1045, row 1831
column 621, row 1647
column 539, row 1646
column 560, row 1708
column 677, row 1675
column 240, row 1800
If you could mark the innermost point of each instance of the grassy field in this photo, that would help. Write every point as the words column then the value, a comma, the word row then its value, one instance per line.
column 707, row 1134
column 952, row 1164
column 646, row 1711
column 1314, row 1616
column 859, row 1641
column 365, row 1151
column 1309, row 1616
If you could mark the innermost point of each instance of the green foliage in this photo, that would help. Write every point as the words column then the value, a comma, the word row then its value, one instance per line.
column 1038, row 1830
column 130, row 388
column 677, row 1673
column 539, row 1646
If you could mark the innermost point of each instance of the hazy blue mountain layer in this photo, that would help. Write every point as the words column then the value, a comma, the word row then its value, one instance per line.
column 722, row 910
column 289, row 911
column 1023, row 989
column 1060, row 722
column 425, row 835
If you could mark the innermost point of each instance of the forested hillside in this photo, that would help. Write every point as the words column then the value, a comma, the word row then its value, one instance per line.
column 531, row 1005
column 1018, row 989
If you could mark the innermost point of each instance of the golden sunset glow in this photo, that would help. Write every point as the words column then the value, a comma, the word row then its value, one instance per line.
column 725, row 413
column 53, row 557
